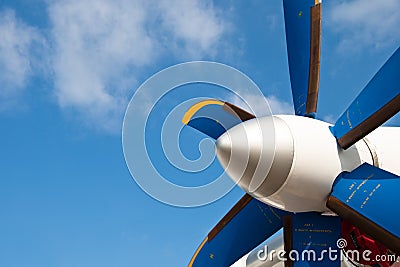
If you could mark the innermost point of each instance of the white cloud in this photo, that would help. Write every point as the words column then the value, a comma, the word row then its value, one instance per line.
column 193, row 26
column 373, row 23
column 280, row 107
column 100, row 46
column 257, row 106
column 95, row 45
column 17, row 57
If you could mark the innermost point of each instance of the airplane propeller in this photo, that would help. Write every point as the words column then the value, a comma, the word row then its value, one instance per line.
column 252, row 221
column 377, row 102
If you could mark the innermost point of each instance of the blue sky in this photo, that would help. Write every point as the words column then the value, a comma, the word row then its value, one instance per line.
column 67, row 72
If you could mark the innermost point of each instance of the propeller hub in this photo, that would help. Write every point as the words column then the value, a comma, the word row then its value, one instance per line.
column 257, row 155
column 289, row 162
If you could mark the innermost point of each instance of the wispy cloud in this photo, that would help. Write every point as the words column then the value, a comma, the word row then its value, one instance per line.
column 96, row 43
column 17, row 57
column 373, row 23
column 194, row 27
column 257, row 106
column 101, row 45
column 279, row 106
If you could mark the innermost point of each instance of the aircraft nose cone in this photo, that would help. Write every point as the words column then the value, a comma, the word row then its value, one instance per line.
column 246, row 152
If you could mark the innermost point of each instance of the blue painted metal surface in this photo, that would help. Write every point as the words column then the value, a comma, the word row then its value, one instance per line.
column 373, row 193
column 368, row 111
column 297, row 24
column 213, row 120
column 255, row 223
column 314, row 240
column 209, row 126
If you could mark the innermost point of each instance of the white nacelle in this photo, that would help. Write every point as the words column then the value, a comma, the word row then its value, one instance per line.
column 291, row 162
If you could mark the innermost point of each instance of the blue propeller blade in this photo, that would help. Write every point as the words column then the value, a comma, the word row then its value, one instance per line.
column 309, row 237
column 245, row 226
column 303, row 34
column 376, row 103
column 214, row 117
column 368, row 199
